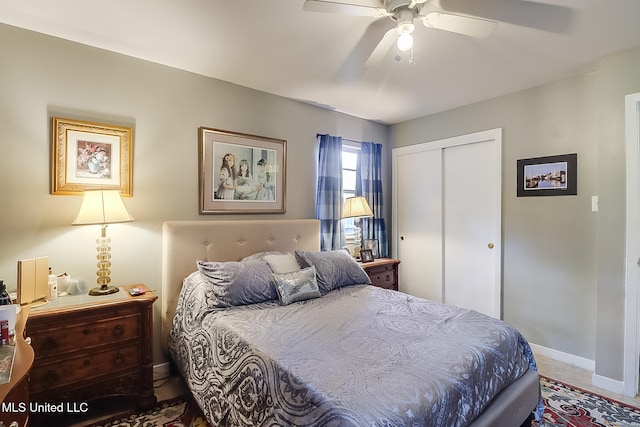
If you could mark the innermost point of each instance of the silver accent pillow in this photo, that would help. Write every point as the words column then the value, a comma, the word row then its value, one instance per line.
column 297, row 286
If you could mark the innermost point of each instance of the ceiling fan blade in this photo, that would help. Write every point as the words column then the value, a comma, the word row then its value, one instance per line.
column 380, row 51
column 466, row 25
column 369, row 49
column 371, row 8
column 542, row 16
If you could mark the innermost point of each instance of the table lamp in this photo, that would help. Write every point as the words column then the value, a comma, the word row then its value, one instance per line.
column 356, row 208
column 102, row 207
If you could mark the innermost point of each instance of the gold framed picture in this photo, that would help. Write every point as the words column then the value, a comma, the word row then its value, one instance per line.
column 86, row 156
column 241, row 173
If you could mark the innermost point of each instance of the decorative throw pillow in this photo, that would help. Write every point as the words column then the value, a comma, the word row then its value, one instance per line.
column 334, row 269
column 261, row 255
column 282, row 263
column 239, row 283
column 297, row 286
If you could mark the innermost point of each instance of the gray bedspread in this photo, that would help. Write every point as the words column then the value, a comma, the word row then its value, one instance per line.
column 358, row 356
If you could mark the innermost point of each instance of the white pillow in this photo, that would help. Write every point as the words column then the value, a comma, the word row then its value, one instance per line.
column 281, row 264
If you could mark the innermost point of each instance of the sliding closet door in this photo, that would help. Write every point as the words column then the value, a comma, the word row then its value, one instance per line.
column 447, row 220
column 471, row 226
column 418, row 226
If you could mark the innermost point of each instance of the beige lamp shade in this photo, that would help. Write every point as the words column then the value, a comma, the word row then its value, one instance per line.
column 102, row 207
column 356, row 207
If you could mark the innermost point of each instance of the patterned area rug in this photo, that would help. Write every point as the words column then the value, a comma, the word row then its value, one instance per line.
column 565, row 406
column 569, row 406
column 179, row 412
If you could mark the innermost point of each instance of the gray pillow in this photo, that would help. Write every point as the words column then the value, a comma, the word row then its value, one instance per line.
column 297, row 286
column 239, row 283
column 334, row 269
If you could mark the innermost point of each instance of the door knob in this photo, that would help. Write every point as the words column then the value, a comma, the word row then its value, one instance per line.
column 490, row 245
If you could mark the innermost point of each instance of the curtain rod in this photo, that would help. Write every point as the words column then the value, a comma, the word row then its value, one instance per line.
column 344, row 139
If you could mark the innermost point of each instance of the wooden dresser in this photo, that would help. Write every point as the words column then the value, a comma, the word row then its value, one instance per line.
column 89, row 347
column 383, row 272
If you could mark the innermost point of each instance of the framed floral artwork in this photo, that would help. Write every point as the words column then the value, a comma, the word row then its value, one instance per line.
column 86, row 156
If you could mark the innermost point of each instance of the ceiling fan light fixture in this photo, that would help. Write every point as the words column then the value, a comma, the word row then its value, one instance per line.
column 405, row 42
column 405, row 39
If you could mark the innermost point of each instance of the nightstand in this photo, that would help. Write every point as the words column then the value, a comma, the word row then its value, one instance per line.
column 383, row 272
column 90, row 347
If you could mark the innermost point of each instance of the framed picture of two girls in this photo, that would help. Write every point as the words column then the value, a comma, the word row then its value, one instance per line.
column 241, row 173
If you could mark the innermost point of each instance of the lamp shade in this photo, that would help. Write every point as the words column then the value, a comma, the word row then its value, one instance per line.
column 102, row 207
column 356, row 207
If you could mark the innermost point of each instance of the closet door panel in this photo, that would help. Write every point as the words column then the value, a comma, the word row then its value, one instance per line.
column 419, row 223
column 472, row 227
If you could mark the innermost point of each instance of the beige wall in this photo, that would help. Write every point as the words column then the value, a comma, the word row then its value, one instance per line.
column 563, row 265
column 43, row 76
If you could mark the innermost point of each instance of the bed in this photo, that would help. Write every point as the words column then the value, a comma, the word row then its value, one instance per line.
column 352, row 355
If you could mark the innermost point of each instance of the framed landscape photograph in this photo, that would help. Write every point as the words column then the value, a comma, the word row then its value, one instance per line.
column 86, row 155
column 547, row 176
column 241, row 173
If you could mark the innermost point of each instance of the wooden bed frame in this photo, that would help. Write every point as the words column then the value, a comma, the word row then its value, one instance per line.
column 184, row 242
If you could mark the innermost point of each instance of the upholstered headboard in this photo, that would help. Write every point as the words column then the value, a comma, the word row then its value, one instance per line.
column 185, row 242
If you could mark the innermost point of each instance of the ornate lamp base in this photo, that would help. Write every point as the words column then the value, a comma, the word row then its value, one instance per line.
column 104, row 263
column 104, row 290
column 357, row 239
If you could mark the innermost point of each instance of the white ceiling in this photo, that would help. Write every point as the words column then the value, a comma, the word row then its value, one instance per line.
column 276, row 47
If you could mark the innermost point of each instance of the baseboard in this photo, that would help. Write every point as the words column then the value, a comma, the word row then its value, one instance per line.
column 615, row 386
column 563, row 357
column 161, row 370
column 607, row 383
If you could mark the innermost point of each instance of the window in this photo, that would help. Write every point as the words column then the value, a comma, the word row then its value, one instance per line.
column 350, row 153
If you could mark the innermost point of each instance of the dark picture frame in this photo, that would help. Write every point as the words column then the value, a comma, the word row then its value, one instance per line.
column 252, row 168
column 366, row 255
column 90, row 156
column 373, row 245
column 548, row 176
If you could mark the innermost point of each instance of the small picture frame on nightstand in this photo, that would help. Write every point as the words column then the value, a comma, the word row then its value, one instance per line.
column 373, row 245
column 366, row 255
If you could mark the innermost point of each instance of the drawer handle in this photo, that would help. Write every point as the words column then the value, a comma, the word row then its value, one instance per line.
column 118, row 330
column 49, row 344
column 118, row 360
column 51, row 377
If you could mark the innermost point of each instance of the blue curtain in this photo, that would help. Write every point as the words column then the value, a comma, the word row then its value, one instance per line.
column 369, row 185
column 329, row 194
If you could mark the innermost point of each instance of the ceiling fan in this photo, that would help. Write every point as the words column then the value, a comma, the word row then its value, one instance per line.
column 468, row 17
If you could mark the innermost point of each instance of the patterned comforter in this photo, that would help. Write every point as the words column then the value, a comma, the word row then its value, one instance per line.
column 358, row 356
